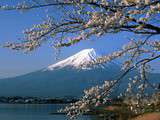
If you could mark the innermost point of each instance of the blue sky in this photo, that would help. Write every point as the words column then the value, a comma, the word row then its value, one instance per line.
column 14, row 63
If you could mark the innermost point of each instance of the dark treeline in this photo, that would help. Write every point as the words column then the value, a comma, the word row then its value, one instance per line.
column 36, row 100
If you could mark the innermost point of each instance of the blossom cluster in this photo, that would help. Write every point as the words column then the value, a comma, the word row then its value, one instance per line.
column 34, row 37
column 133, row 50
column 136, row 98
column 155, row 44
column 92, row 98
column 102, row 23
column 19, row 6
column 102, row 17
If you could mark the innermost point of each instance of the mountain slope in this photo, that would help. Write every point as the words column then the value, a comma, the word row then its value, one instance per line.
column 57, row 83
column 76, row 60
column 65, row 78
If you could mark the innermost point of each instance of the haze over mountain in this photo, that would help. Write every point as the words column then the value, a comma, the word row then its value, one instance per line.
column 65, row 78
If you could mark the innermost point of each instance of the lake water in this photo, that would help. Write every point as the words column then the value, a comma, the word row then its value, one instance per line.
column 32, row 112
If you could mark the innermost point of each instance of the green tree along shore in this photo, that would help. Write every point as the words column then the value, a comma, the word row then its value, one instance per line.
column 80, row 20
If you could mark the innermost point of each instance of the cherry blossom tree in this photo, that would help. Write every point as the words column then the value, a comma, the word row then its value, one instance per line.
column 82, row 19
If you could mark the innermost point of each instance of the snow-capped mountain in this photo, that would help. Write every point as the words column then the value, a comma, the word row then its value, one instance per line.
column 63, row 78
column 77, row 60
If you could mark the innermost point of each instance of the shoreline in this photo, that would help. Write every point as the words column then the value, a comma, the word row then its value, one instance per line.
column 36, row 100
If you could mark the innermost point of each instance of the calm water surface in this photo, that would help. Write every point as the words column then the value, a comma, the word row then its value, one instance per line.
column 32, row 112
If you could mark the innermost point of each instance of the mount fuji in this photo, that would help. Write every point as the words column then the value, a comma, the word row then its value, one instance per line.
column 77, row 60
column 65, row 78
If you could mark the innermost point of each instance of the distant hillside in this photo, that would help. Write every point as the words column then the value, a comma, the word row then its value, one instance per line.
column 65, row 78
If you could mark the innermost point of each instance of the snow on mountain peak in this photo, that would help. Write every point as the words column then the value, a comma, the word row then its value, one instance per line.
column 76, row 60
